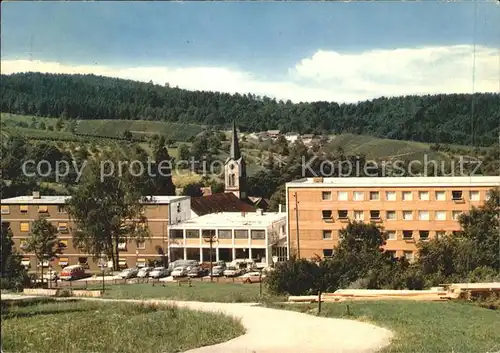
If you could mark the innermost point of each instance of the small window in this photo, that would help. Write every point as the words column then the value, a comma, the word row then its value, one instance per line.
column 327, row 234
column 122, row 263
column 63, row 243
column 23, row 208
column 141, row 245
column 423, row 215
column 23, row 244
column 408, row 215
column 391, row 215
column 26, row 262
column 440, row 215
column 258, row 234
column 456, row 195
column 390, row 195
column 326, row 214
column 62, row 227
column 408, row 255
column 176, row 234
column 43, row 209
column 440, row 196
column 83, row 261
column 440, row 234
column 342, row 214
column 61, row 209
column 223, row 234
column 391, row 235
column 423, row 195
column 424, row 234
column 374, row 214
column 407, row 234
column 63, row 261
column 474, row 195
column 407, row 196
column 359, row 215
column 359, row 196
column 326, row 195
column 455, row 215
column 195, row 234
column 374, row 195
column 342, row 196
column 392, row 253
column 24, row 226
column 141, row 262
column 327, row 252
column 240, row 234
column 122, row 246
column 5, row 209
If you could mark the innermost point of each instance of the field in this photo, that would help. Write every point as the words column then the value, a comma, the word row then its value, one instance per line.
column 200, row 291
column 84, row 326
column 422, row 326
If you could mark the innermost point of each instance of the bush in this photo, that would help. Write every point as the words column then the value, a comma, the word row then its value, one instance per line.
column 64, row 293
column 294, row 277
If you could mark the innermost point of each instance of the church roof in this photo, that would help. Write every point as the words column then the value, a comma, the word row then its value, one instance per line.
column 222, row 202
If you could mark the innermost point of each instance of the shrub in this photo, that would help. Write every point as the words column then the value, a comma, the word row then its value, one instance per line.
column 294, row 277
column 64, row 293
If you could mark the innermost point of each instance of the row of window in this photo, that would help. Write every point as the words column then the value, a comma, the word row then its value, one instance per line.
column 63, row 243
column 221, row 234
column 41, row 209
column 62, row 227
column 409, row 255
column 456, row 195
column 392, row 215
column 393, row 235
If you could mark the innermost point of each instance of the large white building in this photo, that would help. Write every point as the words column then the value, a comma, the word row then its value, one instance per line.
column 259, row 235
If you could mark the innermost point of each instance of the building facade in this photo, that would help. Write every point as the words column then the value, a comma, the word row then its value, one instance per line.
column 408, row 209
column 256, row 235
column 161, row 212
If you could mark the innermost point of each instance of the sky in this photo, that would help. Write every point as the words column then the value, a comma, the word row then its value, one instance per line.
column 302, row 51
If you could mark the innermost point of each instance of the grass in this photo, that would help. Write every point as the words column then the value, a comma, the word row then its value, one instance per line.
column 422, row 327
column 85, row 326
column 200, row 291
column 116, row 128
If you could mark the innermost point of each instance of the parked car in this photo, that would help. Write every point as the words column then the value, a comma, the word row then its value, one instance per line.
column 252, row 277
column 144, row 272
column 72, row 272
column 232, row 271
column 158, row 272
column 196, row 271
column 129, row 273
column 218, row 271
column 180, row 272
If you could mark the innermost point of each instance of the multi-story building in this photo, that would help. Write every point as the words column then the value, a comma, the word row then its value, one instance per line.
column 235, row 235
column 409, row 209
column 161, row 212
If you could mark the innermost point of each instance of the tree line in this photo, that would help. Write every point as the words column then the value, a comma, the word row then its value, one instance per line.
column 444, row 118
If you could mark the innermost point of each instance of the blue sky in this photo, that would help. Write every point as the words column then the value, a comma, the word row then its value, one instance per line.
column 276, row 48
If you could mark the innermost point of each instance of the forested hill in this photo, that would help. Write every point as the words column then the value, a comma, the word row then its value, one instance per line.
column 438, row 118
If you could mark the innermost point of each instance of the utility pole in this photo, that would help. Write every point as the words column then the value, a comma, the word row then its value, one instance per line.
column 210, row 238
column 297, row 223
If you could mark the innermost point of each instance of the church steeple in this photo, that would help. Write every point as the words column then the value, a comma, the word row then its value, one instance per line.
column 235, row 147
column 235, row 169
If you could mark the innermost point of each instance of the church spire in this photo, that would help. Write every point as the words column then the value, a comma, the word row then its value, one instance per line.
column 235, row 148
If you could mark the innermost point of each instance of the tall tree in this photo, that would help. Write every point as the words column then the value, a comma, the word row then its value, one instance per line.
column 162, row 168
column 107, row 209
column 13, row 274
column 43, row 242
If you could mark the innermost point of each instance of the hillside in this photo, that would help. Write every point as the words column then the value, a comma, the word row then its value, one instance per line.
column 451, row 119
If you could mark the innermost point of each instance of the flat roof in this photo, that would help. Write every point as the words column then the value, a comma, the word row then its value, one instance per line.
column 396, row 182
column 47, row 200
column 231, row 220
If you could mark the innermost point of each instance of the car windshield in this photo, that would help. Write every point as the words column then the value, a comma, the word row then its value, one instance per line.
column 218, row 268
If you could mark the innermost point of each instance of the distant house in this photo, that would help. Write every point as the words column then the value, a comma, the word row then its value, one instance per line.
column 273, row 133
column 292, row 137
column 217, row 203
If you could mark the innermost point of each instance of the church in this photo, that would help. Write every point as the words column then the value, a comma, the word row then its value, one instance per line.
column 235, row 197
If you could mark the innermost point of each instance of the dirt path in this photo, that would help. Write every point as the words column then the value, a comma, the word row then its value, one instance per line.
column 281, row 331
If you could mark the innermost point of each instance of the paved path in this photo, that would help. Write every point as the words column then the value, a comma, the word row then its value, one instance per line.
column 281, row 331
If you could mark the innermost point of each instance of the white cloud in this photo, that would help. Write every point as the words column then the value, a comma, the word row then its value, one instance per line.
column 326, row 75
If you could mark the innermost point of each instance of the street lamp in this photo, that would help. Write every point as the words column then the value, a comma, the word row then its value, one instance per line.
column 210, row 238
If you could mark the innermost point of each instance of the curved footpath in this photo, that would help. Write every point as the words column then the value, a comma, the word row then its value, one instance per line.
column 282, row 331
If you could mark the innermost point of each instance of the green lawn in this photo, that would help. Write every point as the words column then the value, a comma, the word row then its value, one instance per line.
column 422, row 327
column 83, row 326
column 200, row 291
